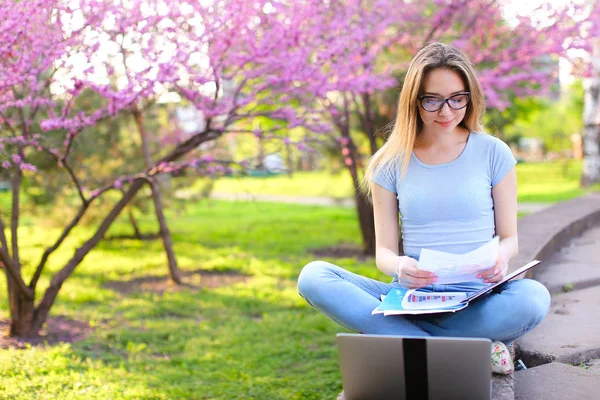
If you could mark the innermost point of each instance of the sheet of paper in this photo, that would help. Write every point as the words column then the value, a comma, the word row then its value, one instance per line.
column 419, row 300
column 456, row 268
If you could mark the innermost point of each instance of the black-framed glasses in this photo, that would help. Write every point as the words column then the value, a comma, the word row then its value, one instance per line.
column 457, row 101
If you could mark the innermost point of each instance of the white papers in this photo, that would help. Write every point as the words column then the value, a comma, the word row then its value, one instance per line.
column 415, row 299
column 456, row 268
column 394, row 301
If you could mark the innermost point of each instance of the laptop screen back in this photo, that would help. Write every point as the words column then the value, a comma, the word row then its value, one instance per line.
column 404, row 368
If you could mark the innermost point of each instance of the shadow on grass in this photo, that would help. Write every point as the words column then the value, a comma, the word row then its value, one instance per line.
column 58, row 329
column 192, row 280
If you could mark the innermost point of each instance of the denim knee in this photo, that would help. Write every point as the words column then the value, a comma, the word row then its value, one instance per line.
column 538, row 299
column 309, row 277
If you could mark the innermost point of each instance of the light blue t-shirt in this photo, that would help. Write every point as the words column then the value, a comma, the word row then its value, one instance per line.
column 449, row 207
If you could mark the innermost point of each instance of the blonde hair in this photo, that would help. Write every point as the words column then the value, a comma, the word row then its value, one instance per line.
column 399, row 145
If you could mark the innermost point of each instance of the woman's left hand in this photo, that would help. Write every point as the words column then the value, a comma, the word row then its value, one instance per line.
column 497, row 272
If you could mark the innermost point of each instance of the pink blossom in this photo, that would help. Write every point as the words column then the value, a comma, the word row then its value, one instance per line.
column 27, row 167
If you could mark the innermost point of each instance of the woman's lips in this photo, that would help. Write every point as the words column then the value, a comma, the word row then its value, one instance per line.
column 444, row 123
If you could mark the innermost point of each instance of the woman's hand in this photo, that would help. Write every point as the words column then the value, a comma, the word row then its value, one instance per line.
column 497, row 272
column 410, row 276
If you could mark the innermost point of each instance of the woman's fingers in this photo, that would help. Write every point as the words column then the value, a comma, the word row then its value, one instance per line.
column 419, row 273
column 492, row 275
column 488, row 273
column 415, row 278
column 496, row 278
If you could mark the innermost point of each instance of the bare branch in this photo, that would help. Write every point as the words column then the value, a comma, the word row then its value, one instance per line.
column 14, row 218
column 435, row 28
column 190, row 144
column 3, row 241
column 41, row 312
column 246, row 131
column 13, row 270
column 75, row 181
column 59, row 241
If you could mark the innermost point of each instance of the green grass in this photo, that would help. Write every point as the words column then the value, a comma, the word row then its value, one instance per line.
column 300, row 184
column 549, row 182
column 546, row 182
column 252, row 340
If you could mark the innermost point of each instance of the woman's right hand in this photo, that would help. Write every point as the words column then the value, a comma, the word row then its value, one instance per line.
column 410, row 276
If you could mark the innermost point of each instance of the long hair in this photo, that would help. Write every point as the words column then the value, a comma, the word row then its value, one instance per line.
column 408, row 124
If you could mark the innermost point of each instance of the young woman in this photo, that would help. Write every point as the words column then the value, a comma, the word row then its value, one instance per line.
column 455, row 188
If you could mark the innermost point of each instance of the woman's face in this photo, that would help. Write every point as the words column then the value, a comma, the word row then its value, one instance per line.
column 442, row 84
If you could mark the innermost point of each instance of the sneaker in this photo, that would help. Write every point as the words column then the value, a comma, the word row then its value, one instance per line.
column 502, row 362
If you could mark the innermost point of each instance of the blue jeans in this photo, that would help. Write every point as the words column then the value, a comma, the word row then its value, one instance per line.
column 510, row 311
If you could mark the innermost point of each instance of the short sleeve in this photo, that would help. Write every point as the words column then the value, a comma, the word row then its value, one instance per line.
column 502, row 161
column 385, row 176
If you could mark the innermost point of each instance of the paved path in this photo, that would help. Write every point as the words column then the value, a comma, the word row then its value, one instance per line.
column 563, row 353
column 330, row 201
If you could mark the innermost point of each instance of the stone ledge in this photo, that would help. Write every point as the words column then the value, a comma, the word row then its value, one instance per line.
column 557, row 381
column 575, row 266
column 543, row 233
column 568, row 334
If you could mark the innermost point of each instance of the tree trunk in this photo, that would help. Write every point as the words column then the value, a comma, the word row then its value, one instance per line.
column 21, row 308
column 290, row 162
column 14, row 218
column 368, row 122
column 591, row 120
column 364, row 208
column 21, row 311
column 366, row 221
column 363, row 204
column 260, row 163
column 164, row 233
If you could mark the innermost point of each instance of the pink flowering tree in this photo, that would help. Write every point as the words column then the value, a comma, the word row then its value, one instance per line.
column 224, row 58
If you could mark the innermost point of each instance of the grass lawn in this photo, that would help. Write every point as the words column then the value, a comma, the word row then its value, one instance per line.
column 252, row 339
column 546, row 182
column 549, row 182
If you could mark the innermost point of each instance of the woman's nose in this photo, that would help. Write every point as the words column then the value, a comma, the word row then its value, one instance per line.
column 445, row 109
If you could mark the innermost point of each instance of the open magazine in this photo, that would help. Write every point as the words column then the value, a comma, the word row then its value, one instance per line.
column 401, row 301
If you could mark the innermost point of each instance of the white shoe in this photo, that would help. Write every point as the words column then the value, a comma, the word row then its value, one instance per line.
column 502, row 362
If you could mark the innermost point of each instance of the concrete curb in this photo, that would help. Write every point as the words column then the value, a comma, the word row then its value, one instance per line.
column 543, row 233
